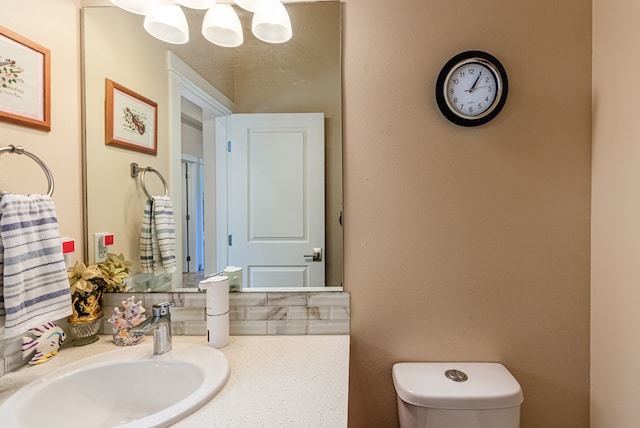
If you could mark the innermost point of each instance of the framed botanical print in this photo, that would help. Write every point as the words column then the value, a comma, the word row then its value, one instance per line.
column 131, row 120
column 25, row 85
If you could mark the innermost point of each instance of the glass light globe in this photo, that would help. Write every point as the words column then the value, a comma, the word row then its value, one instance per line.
column 197, row 4
column 167, row 23
column 222, row 27
column 250, row 5
column 139, row 7
column 271, row 22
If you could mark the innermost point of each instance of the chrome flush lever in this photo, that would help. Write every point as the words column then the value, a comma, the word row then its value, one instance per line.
column 316, row 256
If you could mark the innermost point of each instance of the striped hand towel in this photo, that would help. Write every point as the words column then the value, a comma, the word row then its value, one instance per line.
column 157, row 237
column 34, row 288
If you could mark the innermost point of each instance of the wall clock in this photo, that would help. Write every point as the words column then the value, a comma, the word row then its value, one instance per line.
column 471, row 88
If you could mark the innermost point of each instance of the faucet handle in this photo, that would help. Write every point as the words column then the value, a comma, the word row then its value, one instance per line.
column 162, row 309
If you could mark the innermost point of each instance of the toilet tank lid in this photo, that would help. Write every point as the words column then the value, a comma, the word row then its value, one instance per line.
column 488, row 386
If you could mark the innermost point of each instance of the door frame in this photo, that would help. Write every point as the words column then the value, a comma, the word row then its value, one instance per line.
column 193, row 198
column 188, row 193
column 184, row 82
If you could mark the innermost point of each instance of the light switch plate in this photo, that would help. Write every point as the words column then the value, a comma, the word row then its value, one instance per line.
column 100, row 250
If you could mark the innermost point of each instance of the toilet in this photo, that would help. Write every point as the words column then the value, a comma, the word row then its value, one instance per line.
column 456, row 395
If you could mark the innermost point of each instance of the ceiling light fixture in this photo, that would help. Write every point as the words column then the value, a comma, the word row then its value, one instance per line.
column 139, row 7
column 166, row 21
column 271, row 22
column 250, row 5
column 197, row 4
column 222, row 27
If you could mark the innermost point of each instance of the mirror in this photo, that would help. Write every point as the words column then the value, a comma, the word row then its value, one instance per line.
column 300, row 76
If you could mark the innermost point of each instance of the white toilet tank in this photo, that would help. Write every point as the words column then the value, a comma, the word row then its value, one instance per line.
column 456, row 395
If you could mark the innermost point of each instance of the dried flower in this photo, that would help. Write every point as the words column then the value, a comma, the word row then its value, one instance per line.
column 114, row 270
column 81, row 277
column 108, row 275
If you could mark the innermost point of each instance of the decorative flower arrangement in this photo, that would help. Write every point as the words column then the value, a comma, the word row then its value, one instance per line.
column 88, row 283
column 114, row 270
column 124, row 320
column 108, row 275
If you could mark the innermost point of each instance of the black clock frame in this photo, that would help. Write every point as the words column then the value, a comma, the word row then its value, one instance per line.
column 441, row 88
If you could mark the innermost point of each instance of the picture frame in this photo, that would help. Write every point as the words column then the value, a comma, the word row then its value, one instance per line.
column 131, row 120
column 25, row 81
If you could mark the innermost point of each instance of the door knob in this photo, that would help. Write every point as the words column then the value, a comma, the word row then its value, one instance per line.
column 316, row 256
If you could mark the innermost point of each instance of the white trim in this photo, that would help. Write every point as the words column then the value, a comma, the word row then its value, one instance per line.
column 196, row 203
column 221, row 244
column 190, row 158
column 196, row 89
column 216, row 107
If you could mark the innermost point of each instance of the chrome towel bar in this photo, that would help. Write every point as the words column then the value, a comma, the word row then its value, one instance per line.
column 135, row 170
column 21, row 151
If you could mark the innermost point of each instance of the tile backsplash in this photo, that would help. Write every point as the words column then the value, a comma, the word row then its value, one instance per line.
column 250, row 314
column 267, row 313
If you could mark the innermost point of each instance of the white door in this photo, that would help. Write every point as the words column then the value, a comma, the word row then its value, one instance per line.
column 276, row 198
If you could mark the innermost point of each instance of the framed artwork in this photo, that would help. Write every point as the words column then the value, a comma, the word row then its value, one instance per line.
column 131, row 120
column 25, row 85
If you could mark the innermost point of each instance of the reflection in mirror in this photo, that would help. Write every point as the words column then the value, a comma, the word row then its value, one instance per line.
column 204, row 94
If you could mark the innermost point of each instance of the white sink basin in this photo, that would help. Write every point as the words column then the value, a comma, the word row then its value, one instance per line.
column 129, row 387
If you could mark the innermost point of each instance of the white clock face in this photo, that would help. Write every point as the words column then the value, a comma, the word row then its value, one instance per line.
column 471, row 89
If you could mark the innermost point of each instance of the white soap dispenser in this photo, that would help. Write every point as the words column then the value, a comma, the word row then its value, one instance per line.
column 217, row 310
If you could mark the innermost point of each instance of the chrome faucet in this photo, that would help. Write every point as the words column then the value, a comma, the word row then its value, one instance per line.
column 160, row 323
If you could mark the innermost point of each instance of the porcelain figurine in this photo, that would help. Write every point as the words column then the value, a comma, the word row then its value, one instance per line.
column 48, row 339
column 123, row 320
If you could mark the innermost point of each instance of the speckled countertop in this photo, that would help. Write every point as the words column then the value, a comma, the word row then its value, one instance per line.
column 275, row 381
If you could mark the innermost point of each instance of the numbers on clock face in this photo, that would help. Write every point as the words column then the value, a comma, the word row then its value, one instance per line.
column 471, row 89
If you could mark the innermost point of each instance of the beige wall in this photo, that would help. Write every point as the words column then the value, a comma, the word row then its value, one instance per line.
column 57, row 30
column 115, row 200
column 461, row 244
column 615, row 270
column 469, row 244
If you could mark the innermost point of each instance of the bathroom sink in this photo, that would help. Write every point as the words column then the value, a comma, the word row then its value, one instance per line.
column 129, row 387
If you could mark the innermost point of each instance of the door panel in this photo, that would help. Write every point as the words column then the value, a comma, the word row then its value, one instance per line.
column 280, row 276
column 276, row 186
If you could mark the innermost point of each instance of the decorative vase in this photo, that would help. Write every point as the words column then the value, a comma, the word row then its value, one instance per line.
column 86, row 321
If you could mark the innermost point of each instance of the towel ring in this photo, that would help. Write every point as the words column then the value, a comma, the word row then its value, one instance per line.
column 135, row 170
column 21, row 151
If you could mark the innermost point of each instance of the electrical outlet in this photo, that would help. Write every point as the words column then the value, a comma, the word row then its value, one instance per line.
column 101, row 243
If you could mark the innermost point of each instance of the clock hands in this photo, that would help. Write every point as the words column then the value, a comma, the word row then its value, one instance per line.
column 473, row 88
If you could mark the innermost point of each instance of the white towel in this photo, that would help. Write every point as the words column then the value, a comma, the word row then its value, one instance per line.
column 34, row 287
column 157, row 237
